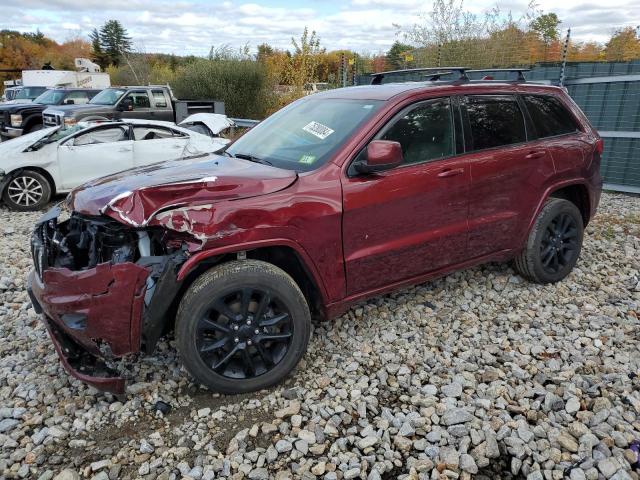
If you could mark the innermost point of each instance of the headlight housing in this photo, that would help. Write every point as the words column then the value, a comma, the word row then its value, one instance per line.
column 16, row 120
column 69, row 122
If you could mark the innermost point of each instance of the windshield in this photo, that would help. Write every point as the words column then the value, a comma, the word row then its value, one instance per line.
column 29, row 93
column 107, row 97
column 50, row 97
column 304, row 135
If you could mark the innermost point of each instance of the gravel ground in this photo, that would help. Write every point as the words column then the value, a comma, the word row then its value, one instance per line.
column 479, row 374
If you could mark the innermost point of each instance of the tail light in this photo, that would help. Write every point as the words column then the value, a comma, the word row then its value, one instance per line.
column 600, row 146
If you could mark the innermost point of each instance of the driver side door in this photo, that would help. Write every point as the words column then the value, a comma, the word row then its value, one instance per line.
column 94, row 153
column 403, row 223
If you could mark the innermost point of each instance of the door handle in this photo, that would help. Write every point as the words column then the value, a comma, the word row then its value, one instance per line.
column 535, row 154
column 452, row 172
column 122, row 150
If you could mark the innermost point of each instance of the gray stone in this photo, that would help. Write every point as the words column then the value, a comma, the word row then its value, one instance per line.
column 455, row 416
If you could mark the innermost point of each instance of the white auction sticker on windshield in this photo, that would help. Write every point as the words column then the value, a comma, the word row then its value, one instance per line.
column 317, row 129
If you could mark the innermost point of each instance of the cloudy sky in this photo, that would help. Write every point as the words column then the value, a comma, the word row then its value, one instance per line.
column 192, row 26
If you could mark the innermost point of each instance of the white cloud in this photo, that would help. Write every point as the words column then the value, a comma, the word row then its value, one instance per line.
column 192, row 27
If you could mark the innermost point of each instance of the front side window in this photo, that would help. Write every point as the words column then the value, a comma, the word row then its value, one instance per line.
column 303, row 135
column 495, row 121
column 102, row 135
column 549, row 116
column 139, row 100
column 425, row 133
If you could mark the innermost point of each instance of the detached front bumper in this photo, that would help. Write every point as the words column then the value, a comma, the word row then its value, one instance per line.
column 92, row 316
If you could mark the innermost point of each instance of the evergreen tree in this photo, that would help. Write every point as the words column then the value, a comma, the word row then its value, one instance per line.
column 396, row 56
column 114, row 41
column 97, row 54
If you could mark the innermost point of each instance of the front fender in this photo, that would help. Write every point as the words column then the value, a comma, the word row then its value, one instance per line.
column 306, row 259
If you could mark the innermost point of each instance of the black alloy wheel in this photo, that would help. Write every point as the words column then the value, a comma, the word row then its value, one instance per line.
column 242, row 326
column 559, row 243
column 245, row 333
column 554, row 243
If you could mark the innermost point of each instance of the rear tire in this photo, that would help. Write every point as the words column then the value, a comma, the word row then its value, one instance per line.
column 242, row 326
column 554, row 243
column 27, row 191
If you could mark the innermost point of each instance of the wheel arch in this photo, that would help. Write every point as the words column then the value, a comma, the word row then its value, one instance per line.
column 284, row 254
column 578, row 194
column 13, row 173
column 32, row 120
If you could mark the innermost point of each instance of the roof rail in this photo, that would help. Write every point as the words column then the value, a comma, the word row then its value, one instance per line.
column 377, row 77
column 520, row 71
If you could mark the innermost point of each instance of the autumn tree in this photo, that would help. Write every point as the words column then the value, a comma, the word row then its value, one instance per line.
column 305, row 59
column 624, row 45
column 547, row 27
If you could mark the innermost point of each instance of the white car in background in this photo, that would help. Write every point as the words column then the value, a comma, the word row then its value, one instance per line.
column 55, row 160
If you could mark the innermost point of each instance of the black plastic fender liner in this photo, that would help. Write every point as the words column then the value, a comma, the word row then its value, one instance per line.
column 161, row 290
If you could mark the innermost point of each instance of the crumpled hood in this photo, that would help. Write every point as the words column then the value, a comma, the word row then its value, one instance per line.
column 135, row 196
column 20, row 144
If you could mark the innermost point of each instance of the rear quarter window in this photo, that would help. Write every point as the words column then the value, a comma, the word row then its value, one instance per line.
column 550, row 117
column 494, row 121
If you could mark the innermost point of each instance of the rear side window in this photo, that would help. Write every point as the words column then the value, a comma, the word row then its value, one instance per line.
column 425, row 133
column 159, row 99
column 495, row 120
column 549, row 116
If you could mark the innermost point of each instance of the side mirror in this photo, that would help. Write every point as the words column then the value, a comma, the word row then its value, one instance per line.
column 69, row 101
column 381, row 155
column 126, row 105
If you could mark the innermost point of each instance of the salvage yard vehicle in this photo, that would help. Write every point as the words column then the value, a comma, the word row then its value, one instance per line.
column 36, row 166
column 19, row 118
column 121, row 103
column 27, row 94
column 340, row 196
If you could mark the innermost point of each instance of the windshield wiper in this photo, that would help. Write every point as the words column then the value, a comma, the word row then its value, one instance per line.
column 251, row 158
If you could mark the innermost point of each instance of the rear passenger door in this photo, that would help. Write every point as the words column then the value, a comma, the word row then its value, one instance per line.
column 162, row 109
column 508, row 173
column 153, row 144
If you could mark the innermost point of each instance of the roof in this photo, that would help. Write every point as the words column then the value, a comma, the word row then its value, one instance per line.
column 387, row 91
column 76, row 89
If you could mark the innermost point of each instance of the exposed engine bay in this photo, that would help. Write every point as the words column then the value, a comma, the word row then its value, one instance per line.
column 82, row 242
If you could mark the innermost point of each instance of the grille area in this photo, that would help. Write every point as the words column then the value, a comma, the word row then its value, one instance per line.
column 51, row 120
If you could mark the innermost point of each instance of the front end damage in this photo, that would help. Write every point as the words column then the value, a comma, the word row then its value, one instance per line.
column 104, row 289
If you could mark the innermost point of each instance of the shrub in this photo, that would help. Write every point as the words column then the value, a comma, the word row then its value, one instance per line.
column 241, row 84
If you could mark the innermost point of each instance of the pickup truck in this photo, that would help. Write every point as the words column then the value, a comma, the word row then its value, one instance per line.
column 121, row 103
column 20, row 118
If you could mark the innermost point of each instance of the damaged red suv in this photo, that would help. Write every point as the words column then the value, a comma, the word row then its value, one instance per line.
column 340, row 196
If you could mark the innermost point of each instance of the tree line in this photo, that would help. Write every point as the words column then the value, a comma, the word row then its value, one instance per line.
column 254, row 84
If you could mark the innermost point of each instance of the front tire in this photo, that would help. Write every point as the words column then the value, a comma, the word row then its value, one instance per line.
column 554, row 243
column 27, row 191
column 242, row 326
